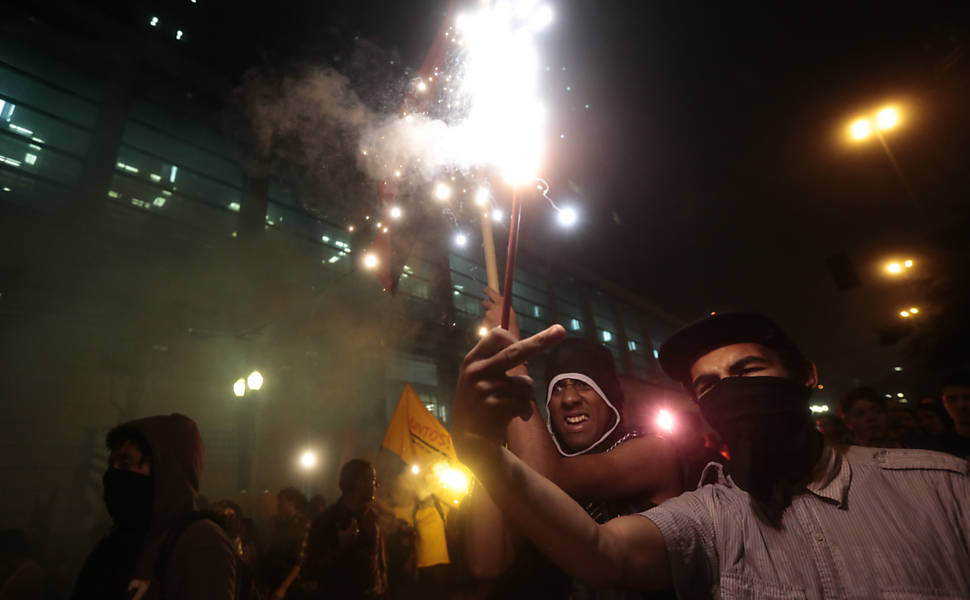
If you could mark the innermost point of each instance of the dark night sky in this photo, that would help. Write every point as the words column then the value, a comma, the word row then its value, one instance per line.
column 712, row 169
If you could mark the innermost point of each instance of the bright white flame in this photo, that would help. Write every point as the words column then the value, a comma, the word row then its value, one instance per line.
column 255, row 380
column 442, row 192
column 665, row 421
column 308, row 460
column 396, row 212
column 460, row 239
column 567, row 217
column 239, row 388
column 481, row 196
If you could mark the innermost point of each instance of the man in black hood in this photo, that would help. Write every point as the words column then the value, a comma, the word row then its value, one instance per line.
column 792, row 518
column 586, row 447
column 153, row 550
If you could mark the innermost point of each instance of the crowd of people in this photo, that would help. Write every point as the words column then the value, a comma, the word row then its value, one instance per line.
column 582, row 503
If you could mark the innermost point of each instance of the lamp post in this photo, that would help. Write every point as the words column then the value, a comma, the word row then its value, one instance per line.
column 242, row 387
column 884, row 120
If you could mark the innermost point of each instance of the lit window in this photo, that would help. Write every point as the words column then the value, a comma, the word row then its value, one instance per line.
column 656, row 354
column 632, row 346
column 325, row 238
column 607, row 336
column 155, row 177
column 6, row 110
column 174, row 172
column 333, row 259
column 536, row 312
column 234, row 206
column 30, row 158
column 178, row 34
column 159, row 201
column 154, row 22
column 575, row 324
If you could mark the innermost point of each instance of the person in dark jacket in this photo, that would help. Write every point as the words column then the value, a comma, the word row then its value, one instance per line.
column 152, row 551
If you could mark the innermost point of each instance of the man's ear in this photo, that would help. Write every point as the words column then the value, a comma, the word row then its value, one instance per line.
column 812, row 381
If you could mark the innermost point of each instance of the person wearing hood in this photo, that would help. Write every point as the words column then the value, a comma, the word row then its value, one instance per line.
column 586, row 447
column 790, row 517
column 155, row 548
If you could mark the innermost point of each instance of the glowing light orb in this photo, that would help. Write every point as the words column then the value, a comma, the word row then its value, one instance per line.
column 904, row 314
column 497, row 215
column 452, row 479
column 442, row 192
column 308, row 460
column 861, row 129
column 894, row 268
column 567, row 217
column 460, row 239
column 913, row 310
column 481, row 196
column 415, row 469
column 239, row 388
column 665, row 421
column 396, row 212
column 908, row 264
column 422, row 86
column 482, row 331
column 255, row 380
column 887, row 118
column 370, row 260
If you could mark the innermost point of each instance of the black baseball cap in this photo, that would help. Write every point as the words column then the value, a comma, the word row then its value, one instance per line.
column 679, row 352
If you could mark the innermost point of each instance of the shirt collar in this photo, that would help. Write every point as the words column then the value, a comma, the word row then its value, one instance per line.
column 833, row 483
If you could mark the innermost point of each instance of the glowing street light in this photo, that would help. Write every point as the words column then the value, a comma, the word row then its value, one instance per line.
column 481, row 196
column 497, row 214
column 860, row 130
column 308, row 460
column 255, row 380
column 460, row 239
column 884, row 120
column 887, row 118
column 904, row 314
column 239, row 388
column 396, row 212
column 370, row 260
column 908, row 263
column 894, row 268
column 913, row 310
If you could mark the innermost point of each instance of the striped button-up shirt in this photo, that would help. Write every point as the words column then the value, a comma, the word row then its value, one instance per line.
column 878, row 524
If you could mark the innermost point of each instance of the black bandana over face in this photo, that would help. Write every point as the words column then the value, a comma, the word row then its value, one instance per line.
column 768, row 428
column 129, row 497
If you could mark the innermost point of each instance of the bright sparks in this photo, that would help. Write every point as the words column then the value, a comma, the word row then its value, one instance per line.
column 567, row 217
column 861, row 129
column 500, row 84
column 442, row 192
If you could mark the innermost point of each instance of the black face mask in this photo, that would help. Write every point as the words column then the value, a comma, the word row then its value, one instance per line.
column 129, row 497
column 768, row 429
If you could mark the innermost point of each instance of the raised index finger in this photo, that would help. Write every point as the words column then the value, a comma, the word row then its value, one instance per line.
column 521, row 351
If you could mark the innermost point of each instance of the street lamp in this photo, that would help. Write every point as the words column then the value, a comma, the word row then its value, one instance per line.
column 255, row 380
column 239, row 388
column 885, row 119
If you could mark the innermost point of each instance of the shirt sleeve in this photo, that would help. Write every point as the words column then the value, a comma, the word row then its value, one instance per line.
column 688, row 529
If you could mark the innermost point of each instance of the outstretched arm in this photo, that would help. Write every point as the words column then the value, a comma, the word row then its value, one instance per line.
column 626, row 552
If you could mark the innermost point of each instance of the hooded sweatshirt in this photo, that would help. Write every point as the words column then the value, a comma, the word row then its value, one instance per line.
column 201, row 562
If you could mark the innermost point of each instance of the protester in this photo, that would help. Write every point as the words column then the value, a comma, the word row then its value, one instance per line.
column 863, row 410
column 934, row 422
column 316, row 507
column 832, row 429
column 955, row 392
column 587, row 447
column 345, row 552
column 157, row 544
column 280, row 563
column 795, row 517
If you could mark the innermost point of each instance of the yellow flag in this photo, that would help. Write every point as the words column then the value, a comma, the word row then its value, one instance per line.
column 416, row 435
